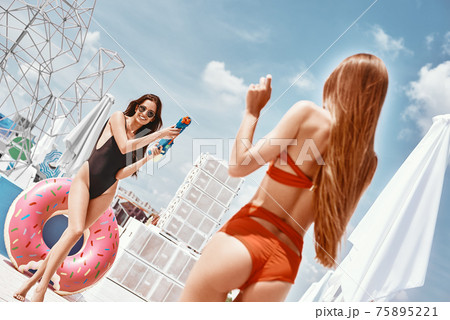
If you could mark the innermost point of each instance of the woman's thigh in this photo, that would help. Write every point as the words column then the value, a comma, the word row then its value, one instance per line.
column 265, row 291
column 224, row 265
column 83, row 211
column 99, row 205
column 78, row 203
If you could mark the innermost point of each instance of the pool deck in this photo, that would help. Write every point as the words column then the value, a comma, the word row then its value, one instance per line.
column 104, row 291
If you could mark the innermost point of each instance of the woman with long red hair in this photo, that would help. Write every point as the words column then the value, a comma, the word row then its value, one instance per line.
column 259, row 249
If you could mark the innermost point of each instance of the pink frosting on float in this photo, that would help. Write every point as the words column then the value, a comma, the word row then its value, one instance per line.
column 26, row 248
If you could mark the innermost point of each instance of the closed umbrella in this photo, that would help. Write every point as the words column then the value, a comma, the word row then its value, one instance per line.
column 316, row 290
column 46, row 142
column 81, row 140
column 392, row 243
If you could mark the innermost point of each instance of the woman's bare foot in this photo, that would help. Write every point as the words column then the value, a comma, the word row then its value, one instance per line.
column 22, row 292
column 39, row 293
column 19, row 297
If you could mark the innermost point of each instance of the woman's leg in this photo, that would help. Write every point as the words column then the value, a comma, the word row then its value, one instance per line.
column 28, row 284
column 98, row 206
column 224, row 265
column 266, row 291
column 78, row 203
column 83, row 213
column 75, row 229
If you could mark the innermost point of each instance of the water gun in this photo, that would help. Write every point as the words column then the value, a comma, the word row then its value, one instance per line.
column 166, row 144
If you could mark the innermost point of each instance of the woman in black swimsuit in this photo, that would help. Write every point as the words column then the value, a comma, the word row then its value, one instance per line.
column 122, row 142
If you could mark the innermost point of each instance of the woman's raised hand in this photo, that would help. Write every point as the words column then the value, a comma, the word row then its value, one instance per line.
column 258, row 95
column 155, row 150
column 169, row 132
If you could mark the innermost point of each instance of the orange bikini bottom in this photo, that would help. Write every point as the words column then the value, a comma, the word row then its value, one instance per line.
column 272, row 259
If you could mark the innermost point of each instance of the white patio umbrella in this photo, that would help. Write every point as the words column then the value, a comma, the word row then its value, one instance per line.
column 316, row 290
column 392, row 243
column 81, row 140
column 46, row 142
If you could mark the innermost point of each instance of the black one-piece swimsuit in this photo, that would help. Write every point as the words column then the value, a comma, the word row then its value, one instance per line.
column 104, row 163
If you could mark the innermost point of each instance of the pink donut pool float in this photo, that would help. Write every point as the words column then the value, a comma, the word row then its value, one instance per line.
column 27, row 249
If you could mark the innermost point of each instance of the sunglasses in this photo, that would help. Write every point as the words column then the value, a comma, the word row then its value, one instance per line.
column 150, row 113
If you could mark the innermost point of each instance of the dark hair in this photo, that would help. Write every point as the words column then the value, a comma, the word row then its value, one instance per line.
column 149, row 128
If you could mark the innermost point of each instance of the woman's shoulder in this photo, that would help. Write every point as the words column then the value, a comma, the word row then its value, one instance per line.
column 117, row 118
column 305, row 107
column 116, row 121
column 312, row 120
column 309, row 111
column 117, row 115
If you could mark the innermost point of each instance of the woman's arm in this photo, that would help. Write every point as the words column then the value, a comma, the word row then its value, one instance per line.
column 246, row 157
column 132, row 168
column 117, row 123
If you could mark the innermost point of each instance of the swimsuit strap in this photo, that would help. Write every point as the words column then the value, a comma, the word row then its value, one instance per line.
column 260, row 212
column 300, row 180
column 292, row 164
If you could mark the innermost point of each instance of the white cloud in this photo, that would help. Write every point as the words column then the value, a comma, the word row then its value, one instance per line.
column 429, row 39
column 401, row 296
column 91, row 43
column 429, row 95
column 446, row 44
column 257, row 36
column 252, row 32
column 405, row 134
column 388, row 44
column 229, row 89
column 306, row 82
column 218, row 78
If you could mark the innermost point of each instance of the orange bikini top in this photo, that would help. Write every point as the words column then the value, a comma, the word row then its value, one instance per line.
column 300, row 180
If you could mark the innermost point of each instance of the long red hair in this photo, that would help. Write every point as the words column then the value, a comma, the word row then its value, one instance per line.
column 354, row 94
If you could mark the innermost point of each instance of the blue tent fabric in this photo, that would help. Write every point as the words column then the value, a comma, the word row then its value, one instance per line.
column 46, row 166
column 6, row 125
column 9, row 192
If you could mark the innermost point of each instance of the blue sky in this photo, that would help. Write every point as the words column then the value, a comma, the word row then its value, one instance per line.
column 200, row 56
